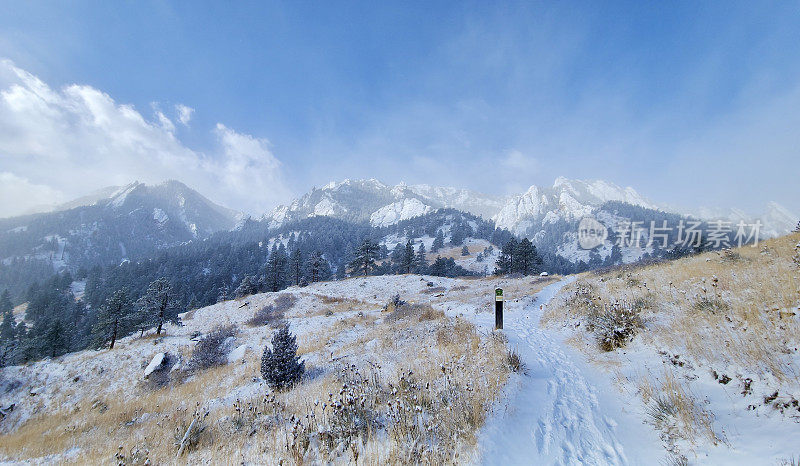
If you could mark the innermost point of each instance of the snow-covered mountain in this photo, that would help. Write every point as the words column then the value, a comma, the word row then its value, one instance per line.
column 524, row 214
column 565, row 200
column 129, row 222
column 176, row 202
column 381, row 205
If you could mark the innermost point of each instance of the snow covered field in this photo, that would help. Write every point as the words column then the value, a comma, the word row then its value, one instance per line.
column 714, row 365
column 670, row 394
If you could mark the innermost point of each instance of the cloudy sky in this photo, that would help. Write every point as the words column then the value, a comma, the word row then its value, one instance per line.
column 691, row 103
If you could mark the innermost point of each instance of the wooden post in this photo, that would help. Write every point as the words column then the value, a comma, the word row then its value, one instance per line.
column 498, row 308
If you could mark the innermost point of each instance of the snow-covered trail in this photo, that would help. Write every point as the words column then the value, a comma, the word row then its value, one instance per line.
column 562, row 411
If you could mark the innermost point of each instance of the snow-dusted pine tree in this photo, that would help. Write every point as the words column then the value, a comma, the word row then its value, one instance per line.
column 248, row 286
column 157, row 306
column 364, row 261
column 465, row 250
column 505, row 262
column 113, row 319
column 281, row 367
column 407, row 258
column 317, row 267
column 296, row 266
column 420, row 260
column 438, row 242
column 8, row 330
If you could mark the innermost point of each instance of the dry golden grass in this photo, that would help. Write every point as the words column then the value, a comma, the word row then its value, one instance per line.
column 454, row 252
column 672, row 408
column 457, row 373
column 721, row 310
column 718, row 309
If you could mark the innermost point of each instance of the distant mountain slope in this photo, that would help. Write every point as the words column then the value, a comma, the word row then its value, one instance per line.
column 130, row 222
column 565, row 200
column 381, row 205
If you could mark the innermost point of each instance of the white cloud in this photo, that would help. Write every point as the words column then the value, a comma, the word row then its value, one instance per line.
column 36, row 196
column 165, row 122
column 184, row 114
column 78, row 139
column 520, row 163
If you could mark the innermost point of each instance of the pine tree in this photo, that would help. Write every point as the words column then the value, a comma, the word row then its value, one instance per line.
column 420, row 261
column 615, row 257
column 8, row 331
column 157, row 306
column 56, row 340
column 296, row 265
column 797, row 228
column 465, row 251
column 407, row 258
column 281, row 366
column 505, row 261
column 276, row 269
column 247, row 287
column 524, row 257
column 364, row 261
column 5, row 302
column 457, row 235
column 113, row 319
column 316, row 267
column 438, row 242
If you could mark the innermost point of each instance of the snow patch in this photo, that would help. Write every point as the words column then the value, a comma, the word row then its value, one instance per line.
column 398, row 211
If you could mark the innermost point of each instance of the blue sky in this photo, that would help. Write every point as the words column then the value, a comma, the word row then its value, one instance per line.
column 690, row 103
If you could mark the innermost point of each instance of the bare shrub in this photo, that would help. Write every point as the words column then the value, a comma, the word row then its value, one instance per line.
column 419, row 311
column 273, row 314
column 212, row 349
column 267, row 315
column 285, row 302
column 616, row 325
column 393, row 304
column 712, row 305
column 515, row 362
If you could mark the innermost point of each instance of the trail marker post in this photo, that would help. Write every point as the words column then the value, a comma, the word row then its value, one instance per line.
column 498, row 308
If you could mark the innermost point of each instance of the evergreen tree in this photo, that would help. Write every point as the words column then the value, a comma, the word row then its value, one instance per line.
column 797, row 228
column 296, row 265
column 8, row 331
column 407, row 258
column 113, row 319
column 465, row 251
column 248, row 286
column 157, row 306
column 318, row 267
column 281, row 366
column 616, row 255
column 56, row 339
column 5, row 302
column 365, row 255
column 505, row 261
column 420, row 261
column 457, row 235
column 276, row 269
column 526, row 260
column 438, row 242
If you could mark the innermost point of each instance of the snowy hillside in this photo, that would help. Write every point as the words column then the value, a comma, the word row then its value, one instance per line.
column 705, row 347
